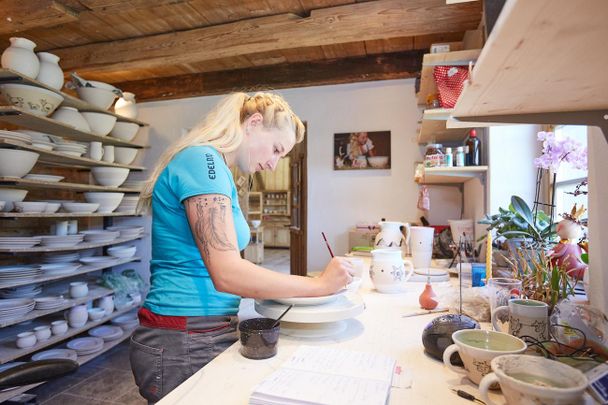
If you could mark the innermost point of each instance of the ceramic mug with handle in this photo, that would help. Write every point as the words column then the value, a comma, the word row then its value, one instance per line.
column 388, row 271
column 526, row 318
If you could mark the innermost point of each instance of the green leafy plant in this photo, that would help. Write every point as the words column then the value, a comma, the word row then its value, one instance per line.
column 520, row 222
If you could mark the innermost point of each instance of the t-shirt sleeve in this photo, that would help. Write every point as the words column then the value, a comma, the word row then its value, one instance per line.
column 197, row 171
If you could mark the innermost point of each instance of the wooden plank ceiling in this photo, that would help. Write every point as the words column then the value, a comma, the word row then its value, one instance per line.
column 163, row 49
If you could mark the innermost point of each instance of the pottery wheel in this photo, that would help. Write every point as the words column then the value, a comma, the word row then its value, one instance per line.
column 344, row 307
column 312, row 330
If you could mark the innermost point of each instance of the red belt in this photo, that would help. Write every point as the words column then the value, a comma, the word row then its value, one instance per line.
column 151, row 320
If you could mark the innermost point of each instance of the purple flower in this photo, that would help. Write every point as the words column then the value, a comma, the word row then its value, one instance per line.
column 557, row 151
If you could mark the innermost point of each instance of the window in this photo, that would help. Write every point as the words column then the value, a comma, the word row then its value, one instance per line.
column 567, row 176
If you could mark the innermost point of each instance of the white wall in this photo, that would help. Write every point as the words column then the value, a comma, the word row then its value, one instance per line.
column 336, row 199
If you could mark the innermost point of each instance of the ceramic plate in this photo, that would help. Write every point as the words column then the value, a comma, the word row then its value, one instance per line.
column 308, row 301
column 55, row 354
column 85, row 344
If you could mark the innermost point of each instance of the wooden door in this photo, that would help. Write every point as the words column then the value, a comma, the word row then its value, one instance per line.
column 298, row 187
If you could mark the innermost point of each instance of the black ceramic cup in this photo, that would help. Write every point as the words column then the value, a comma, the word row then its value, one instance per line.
column 258, row 338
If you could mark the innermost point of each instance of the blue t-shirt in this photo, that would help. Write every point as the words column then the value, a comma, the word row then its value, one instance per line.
column 180, row 282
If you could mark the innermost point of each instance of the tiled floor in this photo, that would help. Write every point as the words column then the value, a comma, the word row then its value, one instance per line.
column 108, row 378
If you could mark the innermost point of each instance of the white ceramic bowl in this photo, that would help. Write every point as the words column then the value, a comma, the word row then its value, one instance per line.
column 70, row 116
column 124, row 130
column 96, row 313
column 110, row 176
column 378, row 162
column 80, row 207
column 59, row 327
column 52, row 207
column 101, row 124
column 123, row 252
column 99, row 97
column 26, row 339
column 30, row 206
column 108, row 202
column 16, row 163
column 10, row 195
column 42, row 332
column 35, row 100
column 124, row 156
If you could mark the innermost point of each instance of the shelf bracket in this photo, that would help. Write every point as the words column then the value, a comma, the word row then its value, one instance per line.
column 597, row 118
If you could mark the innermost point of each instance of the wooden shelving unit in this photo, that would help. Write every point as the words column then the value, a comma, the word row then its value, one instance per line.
column 28, row 184
column 434, row 127
column 452, row 175
column 276, row 214
column 62, row 159
column 114, row 214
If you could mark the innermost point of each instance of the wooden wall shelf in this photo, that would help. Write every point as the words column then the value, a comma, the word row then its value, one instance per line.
column 12, row 215
column 28, row 184
column 452, row 175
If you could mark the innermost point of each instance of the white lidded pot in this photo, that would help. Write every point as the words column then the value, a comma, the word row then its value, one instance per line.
column 391, row 237
column 126, row 106
column 50, row 73
column 77, row 316
column 21, row 58
column 388, row 271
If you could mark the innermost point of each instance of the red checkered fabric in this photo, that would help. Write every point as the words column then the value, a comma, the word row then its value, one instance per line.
column 450, row 81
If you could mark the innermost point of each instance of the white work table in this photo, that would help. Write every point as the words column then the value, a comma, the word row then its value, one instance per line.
column 230, row 377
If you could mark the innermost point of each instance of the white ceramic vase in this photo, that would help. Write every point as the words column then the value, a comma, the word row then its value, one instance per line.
column 50, row 73
column 126, row 106
column 77, row 316
column 21, row 58
column 390, row 236
column 107, row 304
column 388, row 271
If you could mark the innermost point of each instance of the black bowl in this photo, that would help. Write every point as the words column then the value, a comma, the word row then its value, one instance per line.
column 258, row 338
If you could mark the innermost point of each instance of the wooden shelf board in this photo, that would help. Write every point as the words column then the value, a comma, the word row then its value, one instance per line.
column 12, row 215
column 430, row 60
column 17, row 116
column 80, row 246
column 452, row 175
column 433, row 127
column 28, row 184
column 512, row 76
column 11, row 76
column 81, row 270
column 62, row 159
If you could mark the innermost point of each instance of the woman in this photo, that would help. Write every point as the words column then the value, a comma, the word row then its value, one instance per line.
column 198, row 229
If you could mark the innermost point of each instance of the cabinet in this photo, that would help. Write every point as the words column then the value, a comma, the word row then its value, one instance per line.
column 78, row 180
column 276, row 217
column 255, row 205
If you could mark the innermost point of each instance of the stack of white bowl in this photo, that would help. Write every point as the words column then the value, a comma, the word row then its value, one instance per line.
column 54, row 241
column 128, row 231
column 17, row 163
column 124, row 156
column 122, row 252
column 128, row 204
column 107, row 201
column 109, row 176
column 30, row 207
column 85, row 208
column 101, row 124
column 125, row 131
column 100, row 236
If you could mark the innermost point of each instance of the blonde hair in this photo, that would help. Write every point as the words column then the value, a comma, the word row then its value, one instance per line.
column 221, row 129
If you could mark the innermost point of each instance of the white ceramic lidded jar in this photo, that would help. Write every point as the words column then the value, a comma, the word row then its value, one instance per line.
column 21, row 58
column 126, row 106
column 50, row 73
column 388, row 271
column 77, row 316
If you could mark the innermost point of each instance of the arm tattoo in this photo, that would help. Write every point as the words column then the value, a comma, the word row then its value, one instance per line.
column 210, row 222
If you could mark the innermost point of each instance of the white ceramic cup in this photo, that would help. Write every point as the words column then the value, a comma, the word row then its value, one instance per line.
column 477, row 348
column 422, row 258
column 59, row 327
column 78, row 289
column 26, row 339
column 534, row 380
column 60, row 228
column 72, row 227
column 42, row 333
column 526, row 318
column 96, row 150
column 108, row 153
column 421, row 238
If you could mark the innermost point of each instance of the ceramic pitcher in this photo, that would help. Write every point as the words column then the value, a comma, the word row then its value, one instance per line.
column 390, row 236
column 388, row 271
column 126, row 106
column 21, row 58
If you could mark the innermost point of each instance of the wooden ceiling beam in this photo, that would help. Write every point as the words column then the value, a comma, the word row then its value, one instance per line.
column 335, row 25
column 21, row 15
column 339, row 71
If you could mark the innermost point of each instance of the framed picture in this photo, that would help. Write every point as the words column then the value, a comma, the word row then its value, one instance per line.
column 362, row 150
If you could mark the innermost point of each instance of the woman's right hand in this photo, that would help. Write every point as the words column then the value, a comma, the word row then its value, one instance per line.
column 336, row 275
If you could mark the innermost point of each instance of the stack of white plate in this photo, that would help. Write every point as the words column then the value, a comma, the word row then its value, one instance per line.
column 18, row 273
column 100, row 236
column 18, row 242
column 26, row 291
column 55, row 354
column 70, row 148
column 86, row 345
column 128, row 204
column 15, row 308
column 60, row 257
column 38, row 139
column 128, row 231
column 106, row 332
column 15, row 136
column 50, row 302
column 53, row 269
column 53, row 241
column 134, row 184
column 127, row 321
column 43, row 177
column 97, row 260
